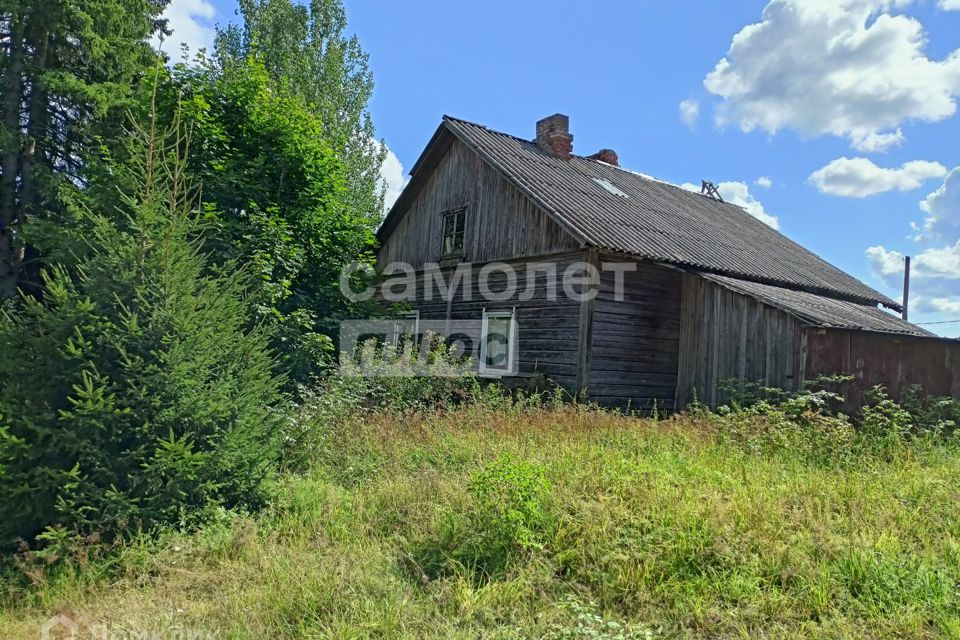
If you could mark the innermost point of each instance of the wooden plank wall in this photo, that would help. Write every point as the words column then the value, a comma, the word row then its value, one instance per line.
column 502, row 223
column 726, row 335
column 548, row 330
column 896, row 362
column 635, row 343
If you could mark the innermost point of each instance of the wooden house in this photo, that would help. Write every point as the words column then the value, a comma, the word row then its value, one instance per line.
column 706, row 292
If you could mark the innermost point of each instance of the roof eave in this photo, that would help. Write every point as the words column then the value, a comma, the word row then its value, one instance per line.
column 820, row 291
column 813, row 322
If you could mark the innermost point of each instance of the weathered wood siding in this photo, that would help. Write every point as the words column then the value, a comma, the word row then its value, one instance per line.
column 897, row 362
column 635, row 341
column 502, row 223
column 726, row 335
column 547, row 329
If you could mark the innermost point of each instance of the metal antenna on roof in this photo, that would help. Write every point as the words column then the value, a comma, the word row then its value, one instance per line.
column 707, row 188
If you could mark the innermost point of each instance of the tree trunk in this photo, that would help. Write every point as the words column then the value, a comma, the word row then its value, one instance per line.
column 36, row 130
column 10, row 257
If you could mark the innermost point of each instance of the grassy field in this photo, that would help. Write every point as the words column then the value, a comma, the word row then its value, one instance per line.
column 557, row 523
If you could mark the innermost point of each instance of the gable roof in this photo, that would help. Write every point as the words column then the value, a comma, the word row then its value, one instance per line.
column 821, row 311
column 647, row 219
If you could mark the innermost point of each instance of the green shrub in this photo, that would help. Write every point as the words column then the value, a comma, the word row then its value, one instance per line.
column 134, row 393
column 793, row 428
column 508, row 517
column 386, row 378
column 390, row 381
column 884, row 419
column 819, row 394
column 743, row 393
column 889, row 429
column 809, row 423
column 509, row 496
column 931, row 414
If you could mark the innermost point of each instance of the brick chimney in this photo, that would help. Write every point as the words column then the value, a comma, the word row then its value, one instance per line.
column 607, row 155
column 553, row 136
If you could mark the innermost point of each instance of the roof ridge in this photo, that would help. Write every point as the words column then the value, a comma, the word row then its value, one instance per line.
column 486, row 128
column 589, row 158
column 534, row 143
column 650, row 178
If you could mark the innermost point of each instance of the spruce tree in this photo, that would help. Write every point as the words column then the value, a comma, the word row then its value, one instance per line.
column 134, row 393
column 64, row 65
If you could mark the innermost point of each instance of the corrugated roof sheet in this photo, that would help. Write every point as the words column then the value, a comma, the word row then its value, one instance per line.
column 821, row 310
column 657, row 220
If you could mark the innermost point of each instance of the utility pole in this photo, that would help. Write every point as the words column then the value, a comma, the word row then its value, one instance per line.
column 906, row 284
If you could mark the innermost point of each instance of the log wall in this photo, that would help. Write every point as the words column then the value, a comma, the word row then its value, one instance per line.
column 548, row 323
column 726, row 335
column 635, row 341
column 501, row 224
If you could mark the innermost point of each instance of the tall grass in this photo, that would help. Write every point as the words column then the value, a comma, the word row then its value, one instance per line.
column 518, row 520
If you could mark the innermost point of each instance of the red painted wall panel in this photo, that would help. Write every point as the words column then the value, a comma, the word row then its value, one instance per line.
column 897, row 362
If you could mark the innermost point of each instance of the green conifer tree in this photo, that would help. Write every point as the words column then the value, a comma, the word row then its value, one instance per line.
column 134, row 392
column 63, row 65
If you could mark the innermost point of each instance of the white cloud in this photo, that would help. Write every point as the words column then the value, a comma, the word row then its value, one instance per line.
column 192, row 23
column 860, row 177
column 842, row 67
column 949, row 304
column 763, row 182
column 885, row 263
column 949, row 5
column 738, row 193
column 935, row 266
column 878, row 142
column 393, row 179
column 934, row 277
column 943, row 209
column 937, row 262
column 689, row 112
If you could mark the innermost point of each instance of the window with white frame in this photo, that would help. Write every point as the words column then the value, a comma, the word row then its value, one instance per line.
column 406, row 328
column 498, row 342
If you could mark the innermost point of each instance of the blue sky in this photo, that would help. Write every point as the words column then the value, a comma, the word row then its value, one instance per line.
column 833, row 119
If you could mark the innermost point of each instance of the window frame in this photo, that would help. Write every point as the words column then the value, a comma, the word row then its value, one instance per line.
column 458, row 213
column 511, row 343
column 397, row 327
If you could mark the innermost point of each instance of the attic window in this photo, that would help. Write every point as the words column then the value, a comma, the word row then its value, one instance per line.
column 610, row 187
column 454, row 223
